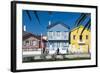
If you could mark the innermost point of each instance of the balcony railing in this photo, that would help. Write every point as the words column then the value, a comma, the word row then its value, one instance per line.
column 32, row 49
column 58, row 38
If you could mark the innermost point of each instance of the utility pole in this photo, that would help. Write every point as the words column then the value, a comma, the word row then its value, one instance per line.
column 41, row 44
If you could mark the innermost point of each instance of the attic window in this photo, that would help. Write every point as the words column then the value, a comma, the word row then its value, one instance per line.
column 80, row 37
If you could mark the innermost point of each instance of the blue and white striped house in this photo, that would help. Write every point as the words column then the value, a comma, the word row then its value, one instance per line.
column 58, row 38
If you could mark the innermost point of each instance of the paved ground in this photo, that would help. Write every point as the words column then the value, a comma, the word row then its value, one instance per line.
column 39, row 58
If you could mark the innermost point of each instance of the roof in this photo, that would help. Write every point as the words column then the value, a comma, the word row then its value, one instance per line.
column 79, row 27
column 52, row 25
column 27, row 35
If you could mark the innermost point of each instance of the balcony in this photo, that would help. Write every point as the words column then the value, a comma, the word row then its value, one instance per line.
column 58, row 38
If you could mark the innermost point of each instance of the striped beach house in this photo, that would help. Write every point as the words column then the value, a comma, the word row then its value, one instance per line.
column 58, row 38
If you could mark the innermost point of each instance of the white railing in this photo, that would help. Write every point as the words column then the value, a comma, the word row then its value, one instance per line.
column 32, row 53
column 58, row 38
column 32, row 49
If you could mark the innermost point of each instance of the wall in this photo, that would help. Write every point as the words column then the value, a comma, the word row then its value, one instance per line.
column 5, row 36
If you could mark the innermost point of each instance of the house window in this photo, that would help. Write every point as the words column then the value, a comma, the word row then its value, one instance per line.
column 27, row 42
column 58, row 33
column 24, row 43
column 34, row 42
column 55, row 45
column 65, row 34
column 65, row 44
column 53, row 33
column 31, row 42
column 50, row 34
column 86, row 36
column 58, row 44
column 74, row 37
column 50, row 45
column 80, row 37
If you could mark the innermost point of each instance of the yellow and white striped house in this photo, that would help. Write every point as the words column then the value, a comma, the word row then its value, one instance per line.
column 80, row 43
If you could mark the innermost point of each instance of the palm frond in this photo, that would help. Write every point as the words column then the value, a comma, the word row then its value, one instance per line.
column 87, row 24
column 36, row 15
column 28, row 15
column 80, row 19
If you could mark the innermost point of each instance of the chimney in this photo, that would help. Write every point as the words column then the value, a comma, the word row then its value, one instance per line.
column 49, row 23
column 24, row 27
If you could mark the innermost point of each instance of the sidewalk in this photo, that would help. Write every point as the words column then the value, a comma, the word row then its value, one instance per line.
column 36, row 58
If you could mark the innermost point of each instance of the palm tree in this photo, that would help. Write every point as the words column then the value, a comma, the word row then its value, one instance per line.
column 82, row 17
column 88, row 24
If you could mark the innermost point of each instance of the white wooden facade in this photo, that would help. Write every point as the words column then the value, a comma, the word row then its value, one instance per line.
column 58, row 38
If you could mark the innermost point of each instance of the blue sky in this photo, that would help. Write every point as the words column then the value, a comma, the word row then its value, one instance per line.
column 37, row 28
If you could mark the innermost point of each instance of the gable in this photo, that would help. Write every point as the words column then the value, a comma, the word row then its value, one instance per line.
column 58, row 27
column 32, row 38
